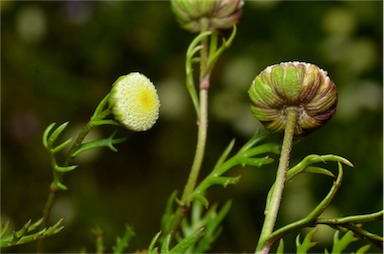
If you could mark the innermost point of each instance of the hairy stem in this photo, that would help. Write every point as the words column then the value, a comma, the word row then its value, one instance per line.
column 273, row 205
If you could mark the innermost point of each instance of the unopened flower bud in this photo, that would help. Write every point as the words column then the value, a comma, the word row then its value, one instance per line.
column 302, row 86
column 218, row 14
column 134, row 102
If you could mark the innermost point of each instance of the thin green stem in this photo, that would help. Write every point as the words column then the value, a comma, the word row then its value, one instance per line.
column 46, row 212
column 202, row 123
column 195, row 169
column 200, row 147
column 79, row 140
column 273, row 205
column 202, row 120
column 54, row 189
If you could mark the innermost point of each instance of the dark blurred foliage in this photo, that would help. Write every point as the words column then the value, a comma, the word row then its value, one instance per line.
column 59, row 59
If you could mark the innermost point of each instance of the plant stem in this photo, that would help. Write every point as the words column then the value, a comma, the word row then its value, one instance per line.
column 202, row 123
column 79, row 140
column 54, row 188
column 273, row 205
column 200, row 147
column 46, row 212
column 199, row 155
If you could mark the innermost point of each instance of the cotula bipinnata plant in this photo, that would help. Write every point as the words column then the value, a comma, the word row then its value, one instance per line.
column 292, row 98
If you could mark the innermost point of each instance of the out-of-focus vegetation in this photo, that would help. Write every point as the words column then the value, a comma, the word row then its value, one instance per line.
column 59, row 59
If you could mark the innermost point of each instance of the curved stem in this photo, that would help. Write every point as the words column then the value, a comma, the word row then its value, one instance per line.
column 273, row 205
column 54, row 189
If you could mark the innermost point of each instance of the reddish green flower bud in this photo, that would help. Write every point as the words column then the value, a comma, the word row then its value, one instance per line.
column 303, row 86
column 218, row 14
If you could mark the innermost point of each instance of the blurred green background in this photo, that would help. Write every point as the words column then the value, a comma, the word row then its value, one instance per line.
column 59, row 59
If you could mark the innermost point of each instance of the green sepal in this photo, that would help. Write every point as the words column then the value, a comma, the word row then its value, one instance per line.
column 106, row 142
column 65, row 169
column 307, row 242
column 122, row 243
column 187, row 242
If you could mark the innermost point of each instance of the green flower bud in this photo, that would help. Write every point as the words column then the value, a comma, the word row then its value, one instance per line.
column 218, row 14
column 134, row 102
column 303, row 86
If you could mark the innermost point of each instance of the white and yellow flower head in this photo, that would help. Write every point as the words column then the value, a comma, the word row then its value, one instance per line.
column 134, row 102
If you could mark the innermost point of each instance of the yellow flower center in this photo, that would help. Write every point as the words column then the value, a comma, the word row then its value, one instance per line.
column 146, row 100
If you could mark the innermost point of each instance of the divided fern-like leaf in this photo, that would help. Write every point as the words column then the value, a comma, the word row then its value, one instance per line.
column 26, row 234
column 306, row 244
column 122, row 243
